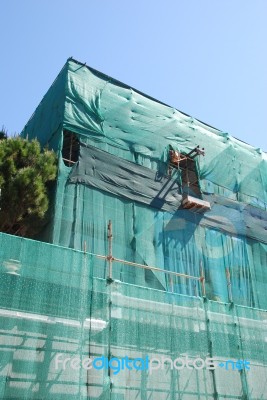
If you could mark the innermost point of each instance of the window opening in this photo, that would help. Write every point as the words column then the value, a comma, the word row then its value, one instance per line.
column 186, row 163
column 70, row 148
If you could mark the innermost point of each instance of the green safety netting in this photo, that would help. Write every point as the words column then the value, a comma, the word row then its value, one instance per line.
column 123, row 121
column 53, row 306
column 121, row 175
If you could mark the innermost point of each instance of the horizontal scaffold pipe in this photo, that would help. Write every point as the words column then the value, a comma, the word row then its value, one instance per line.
column 118, row 260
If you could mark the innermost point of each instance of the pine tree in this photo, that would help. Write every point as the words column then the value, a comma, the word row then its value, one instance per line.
column 25, row 175
column 3, row 133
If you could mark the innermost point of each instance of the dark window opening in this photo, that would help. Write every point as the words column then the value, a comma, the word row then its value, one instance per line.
column 190, row 179
column 186, row 163
column 70, row 148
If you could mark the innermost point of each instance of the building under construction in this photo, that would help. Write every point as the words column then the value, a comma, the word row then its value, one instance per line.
column 155, row 249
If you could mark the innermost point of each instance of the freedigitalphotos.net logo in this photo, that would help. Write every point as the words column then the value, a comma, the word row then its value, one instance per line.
column 146, row 364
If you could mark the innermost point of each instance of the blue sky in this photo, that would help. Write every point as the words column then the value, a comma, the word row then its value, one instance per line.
column 206, row 58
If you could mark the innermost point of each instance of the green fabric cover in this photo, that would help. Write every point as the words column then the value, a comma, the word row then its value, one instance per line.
column 51, row 302
column 125, row 122
column 125, row 136
column 133, row 133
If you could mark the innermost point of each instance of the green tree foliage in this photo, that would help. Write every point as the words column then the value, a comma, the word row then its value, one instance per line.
column 3, row 133
column 25, row 174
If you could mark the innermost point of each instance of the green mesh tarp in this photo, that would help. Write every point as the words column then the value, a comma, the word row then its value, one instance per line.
column 121, row 174
column 122, row 121
column 54, row 307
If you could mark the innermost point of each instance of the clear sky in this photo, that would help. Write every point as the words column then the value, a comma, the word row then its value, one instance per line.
column 207, row 58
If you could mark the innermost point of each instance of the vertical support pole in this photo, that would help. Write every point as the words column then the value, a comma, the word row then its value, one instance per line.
column 229, row 285
column 70, row 155
column 109, row 257
column 109, row 282
column 202, row 280
column 83, row 314
column 171, row 283
column 195, row 289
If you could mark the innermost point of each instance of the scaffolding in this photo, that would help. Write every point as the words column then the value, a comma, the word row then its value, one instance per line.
column 58, row 306
column 160, row 278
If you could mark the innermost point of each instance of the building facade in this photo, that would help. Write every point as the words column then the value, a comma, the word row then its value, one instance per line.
column 156, row 248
